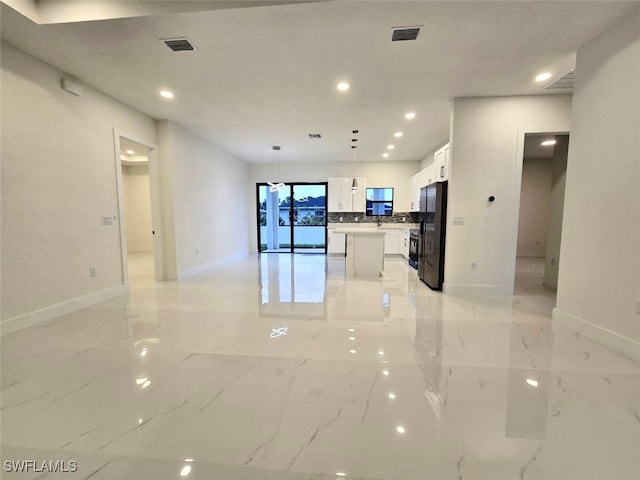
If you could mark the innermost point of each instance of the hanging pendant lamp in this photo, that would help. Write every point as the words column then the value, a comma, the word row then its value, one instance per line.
column 276, row 186
column 354, row 183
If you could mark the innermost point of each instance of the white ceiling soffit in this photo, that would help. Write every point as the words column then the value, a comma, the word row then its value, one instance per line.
column 69, row 11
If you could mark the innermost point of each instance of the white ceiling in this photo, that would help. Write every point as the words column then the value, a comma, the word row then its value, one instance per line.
column 266, row 75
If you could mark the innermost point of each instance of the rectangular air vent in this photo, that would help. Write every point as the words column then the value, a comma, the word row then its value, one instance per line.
column 564, row 82
column 182, row 44
column 399, row 34
column 315, row 135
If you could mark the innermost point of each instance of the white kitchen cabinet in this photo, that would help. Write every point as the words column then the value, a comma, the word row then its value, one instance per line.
column 335, row 242
column 359, row 198
column 338, row 201
column 405, row 243
column 419, row 180
column 414, row 185
column 342, row 198
column 441, row 161
column 430, row 174
column 393, row 242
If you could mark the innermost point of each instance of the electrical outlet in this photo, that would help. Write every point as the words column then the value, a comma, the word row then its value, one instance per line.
column 552, row 261
column 107, row 220
column 458, row 220
column 92, row 271
column 474, row 266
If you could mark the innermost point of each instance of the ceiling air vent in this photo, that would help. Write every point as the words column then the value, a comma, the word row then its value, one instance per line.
column 182, row 44
column 564, row 82
column 315, row 135
column 399, row 34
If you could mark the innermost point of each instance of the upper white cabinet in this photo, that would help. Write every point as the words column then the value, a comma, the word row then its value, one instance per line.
column 335, row 203
column 414, row 186
column 421, row 179
column 341, row 196
column 359, row 198
column 430, row 175
column 441, row 163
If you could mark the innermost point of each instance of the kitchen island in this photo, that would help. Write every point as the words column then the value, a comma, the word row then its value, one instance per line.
column 364, row 252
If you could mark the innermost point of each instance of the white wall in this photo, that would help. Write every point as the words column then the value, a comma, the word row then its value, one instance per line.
column 535, row 207
column 207, row 192
column 137, row 202
column 377, row 174
column 558, row 183
column 58, row 179
column 599, row 281
column 429, row 159
column 487, row 141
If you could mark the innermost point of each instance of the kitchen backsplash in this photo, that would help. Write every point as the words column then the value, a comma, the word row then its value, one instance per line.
column 350, row 217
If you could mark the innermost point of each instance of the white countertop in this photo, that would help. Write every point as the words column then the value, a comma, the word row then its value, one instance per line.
column 360, row 231
column 371, row 226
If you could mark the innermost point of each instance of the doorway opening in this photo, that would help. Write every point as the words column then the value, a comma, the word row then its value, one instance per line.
column 140, row 213
column 293, row 218
column 544, row 166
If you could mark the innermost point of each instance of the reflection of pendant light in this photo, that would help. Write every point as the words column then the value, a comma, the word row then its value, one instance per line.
column 354, row 183
column 276, row 186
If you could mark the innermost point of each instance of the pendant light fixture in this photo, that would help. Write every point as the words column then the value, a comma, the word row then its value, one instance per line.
column 276, row 186
column 354, row 183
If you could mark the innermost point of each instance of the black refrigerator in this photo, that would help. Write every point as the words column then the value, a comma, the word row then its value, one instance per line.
column 433, row 224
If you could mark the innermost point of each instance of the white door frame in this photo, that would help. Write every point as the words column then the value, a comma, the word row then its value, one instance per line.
column 156, row 206
column 523, row 130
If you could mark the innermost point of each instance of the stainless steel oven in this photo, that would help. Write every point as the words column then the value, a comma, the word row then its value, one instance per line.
column 414, row 239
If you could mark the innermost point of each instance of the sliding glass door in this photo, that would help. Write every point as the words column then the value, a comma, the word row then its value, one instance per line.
column 292, row 218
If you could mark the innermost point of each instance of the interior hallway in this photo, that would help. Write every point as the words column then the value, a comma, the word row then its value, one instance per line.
column 279, row 367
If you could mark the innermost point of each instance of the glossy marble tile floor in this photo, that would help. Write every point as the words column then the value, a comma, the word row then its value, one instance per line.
column 279, row 367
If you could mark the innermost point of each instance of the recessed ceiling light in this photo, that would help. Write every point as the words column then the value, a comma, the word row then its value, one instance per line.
column 185, row 470
column 352, row 338
column 397, row 134
column 385, row 155
column 343, row 86
column 130, row 152
column 385, row 373
column 543, row 76
column 548, row 143
column 381, row 353
column 532, row 382
column 400, row 429
column 390, row 147
column 352, row 351
column 166, row 94
column 391, row 395
column 410, row 115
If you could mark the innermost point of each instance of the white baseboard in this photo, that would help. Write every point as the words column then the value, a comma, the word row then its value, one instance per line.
column 608, row 338
column 18, row 323
column 213, row 264
column 479, row 289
